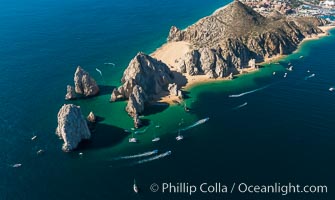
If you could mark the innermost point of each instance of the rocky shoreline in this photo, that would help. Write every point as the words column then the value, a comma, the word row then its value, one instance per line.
column 233, row 40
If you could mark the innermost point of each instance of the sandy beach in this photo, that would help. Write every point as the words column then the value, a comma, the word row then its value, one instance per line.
column 325, row 30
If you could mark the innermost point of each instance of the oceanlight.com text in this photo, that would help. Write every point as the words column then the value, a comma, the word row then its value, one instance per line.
column 242, row 188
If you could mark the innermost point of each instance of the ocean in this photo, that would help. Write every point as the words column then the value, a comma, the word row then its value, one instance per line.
column 281, row 131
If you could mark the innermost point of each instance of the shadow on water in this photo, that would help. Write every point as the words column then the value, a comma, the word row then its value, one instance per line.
column 154, row 108
column 104, row 136
column 106, row 89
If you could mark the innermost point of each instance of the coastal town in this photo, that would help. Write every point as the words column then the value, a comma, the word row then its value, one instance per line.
column 324, row 9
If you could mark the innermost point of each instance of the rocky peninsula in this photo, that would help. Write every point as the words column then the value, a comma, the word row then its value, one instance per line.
column 231, row 41
column 72, row 127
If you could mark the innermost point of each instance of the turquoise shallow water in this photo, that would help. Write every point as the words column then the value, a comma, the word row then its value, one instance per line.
column 284, row 134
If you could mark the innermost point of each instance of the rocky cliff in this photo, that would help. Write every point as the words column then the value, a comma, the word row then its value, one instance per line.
column 85, row 85
column 227, row 40
column 144, row 78
column 72, row 126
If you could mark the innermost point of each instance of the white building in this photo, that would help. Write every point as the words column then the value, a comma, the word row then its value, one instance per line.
column 328, row 3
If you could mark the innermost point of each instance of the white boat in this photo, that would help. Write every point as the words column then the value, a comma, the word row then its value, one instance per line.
column 179, row 137
column 17, row 165
column 80, row 153
column 331, row 89
column 132, row 140
column 155, row 139
column 39, row 152
column 157, row 126
column 203, row 120
column 290, row 68
column 301, row 56
column 308, row 71
column 285, row 75
column 34, row 137
column 135, row 188
column 274, row 73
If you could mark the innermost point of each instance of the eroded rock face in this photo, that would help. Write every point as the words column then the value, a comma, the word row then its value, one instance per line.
column 137, row 121
column 84, row 83
column 136, row 101
column 72, row 127
column 152, row 75
column 232, row 37
column 70, row 94
column 173, row 89
column 143, row 78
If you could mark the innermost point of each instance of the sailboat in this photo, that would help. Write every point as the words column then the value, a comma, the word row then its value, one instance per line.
column 135, row 188
column 132, row 139
column 179, row 137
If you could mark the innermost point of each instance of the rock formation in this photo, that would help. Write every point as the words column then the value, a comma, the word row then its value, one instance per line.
column 136, row 101
column 84, row 83
column 72, row 127
column 144, row 78
column 71, row 94
column 91, row 117
column 173, row 89
column 231, row 37
column 137, row 122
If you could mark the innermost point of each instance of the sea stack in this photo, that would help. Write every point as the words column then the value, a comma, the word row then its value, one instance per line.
column 85, row 85
column 91, row 117
column 72, row 127
column 71, row 94
column 144, row 78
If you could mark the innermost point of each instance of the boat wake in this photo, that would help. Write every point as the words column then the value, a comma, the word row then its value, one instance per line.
column 196, row 124
column 248, row 92
column 154, row 158
column 240, row 106
column 310, row 76
column 100, row 72
column 109, row 63
column 149, row 153
column 143, row 131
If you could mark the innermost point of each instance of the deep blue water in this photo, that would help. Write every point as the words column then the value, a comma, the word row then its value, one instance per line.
column 285, row 133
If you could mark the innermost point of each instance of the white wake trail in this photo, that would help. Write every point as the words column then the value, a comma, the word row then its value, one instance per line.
column 196, row 124
column 100, row 72
column 240, row 106
column 154, row 158
column 149, row 153
column 310, row 76
column 248, row 92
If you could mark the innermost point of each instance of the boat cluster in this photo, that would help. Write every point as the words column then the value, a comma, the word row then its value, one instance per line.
column 179, row 137
column 38, row 152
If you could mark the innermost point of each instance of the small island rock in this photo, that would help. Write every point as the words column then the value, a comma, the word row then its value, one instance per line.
column 71, row 94
column 91, row 117
column 72, row 127
column 84, row 83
